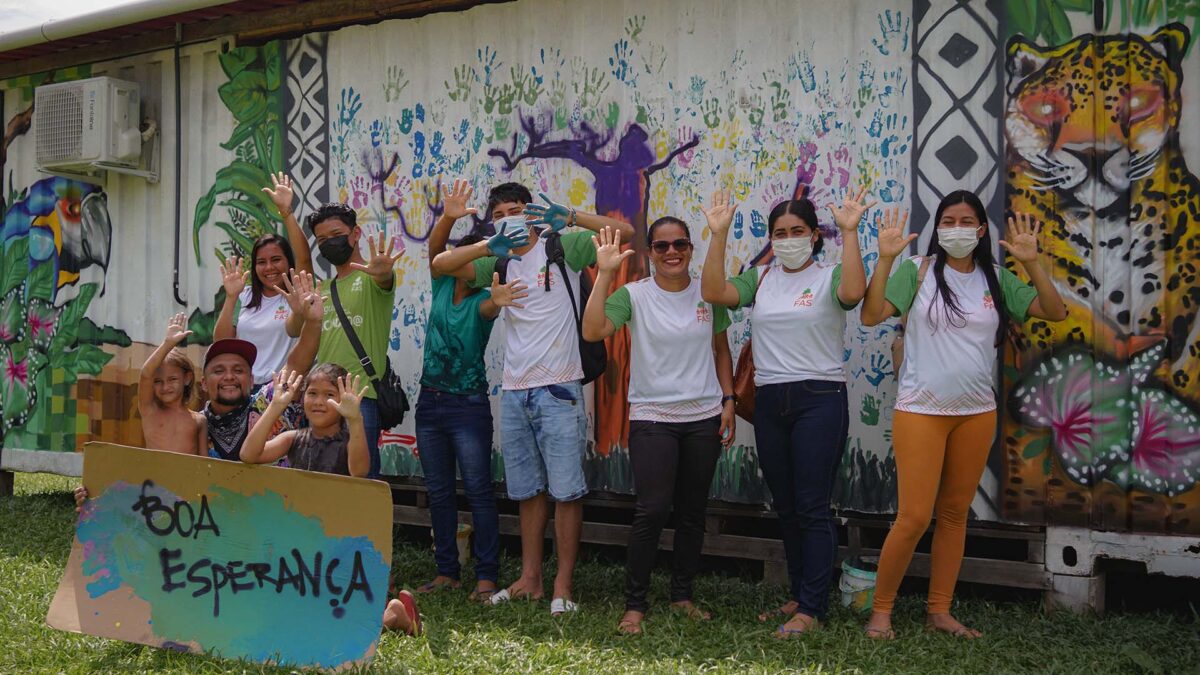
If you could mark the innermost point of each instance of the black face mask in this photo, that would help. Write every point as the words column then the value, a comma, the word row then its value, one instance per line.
column 337, row 250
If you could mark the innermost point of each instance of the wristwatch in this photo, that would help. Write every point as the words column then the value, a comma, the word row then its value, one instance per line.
column 729, row 397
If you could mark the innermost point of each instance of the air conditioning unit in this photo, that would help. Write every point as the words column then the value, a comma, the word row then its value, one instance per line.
column 87, row 125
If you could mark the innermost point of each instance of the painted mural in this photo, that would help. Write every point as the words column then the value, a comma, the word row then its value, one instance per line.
column 636, row 124
column 1082, row 112
column 1103, row 427
column 57, row 238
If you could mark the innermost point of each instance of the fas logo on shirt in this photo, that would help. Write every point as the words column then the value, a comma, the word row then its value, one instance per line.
column 988, row 303
column 541, row 280
column 703, row 313
column 805, row 299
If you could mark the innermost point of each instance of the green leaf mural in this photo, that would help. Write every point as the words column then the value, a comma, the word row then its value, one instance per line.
column 252, row 96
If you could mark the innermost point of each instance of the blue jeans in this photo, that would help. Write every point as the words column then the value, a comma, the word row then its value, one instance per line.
column 542, row 436
column 800, row 429
column 370, row 415
column 453, row 428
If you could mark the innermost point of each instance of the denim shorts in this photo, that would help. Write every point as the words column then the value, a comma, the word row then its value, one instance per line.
column 542, row 438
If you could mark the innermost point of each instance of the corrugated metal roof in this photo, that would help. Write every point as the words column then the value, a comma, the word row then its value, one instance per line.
column 134, row 30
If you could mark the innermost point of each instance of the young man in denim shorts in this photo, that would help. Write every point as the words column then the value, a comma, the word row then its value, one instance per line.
column 542, row 420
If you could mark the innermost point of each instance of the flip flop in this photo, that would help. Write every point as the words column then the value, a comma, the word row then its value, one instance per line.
column 485, row 596
column 560, row 606
column 783, row 632
column 777, row 612
column 432, row 586
column 628, row 627
column 410, row 608
column 880, row 633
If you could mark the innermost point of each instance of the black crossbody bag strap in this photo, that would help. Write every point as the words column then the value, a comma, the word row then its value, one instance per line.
column 363, row 359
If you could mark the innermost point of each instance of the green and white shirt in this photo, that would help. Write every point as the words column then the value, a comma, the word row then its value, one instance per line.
column 541, row 341
column 797, row 322
column 949, row 364
column 672, row 373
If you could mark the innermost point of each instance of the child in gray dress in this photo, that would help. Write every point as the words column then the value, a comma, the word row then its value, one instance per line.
column 334, row 442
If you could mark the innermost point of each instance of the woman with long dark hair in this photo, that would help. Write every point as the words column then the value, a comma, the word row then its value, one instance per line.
column 261, row 314
column 680, row 404
column 801, row 418
column 945, row 416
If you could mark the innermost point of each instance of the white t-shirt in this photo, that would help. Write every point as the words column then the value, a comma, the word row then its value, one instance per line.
column 672, row 373
column 264, row 327
column 949, row 366
column 541, row 340
column 798, row 324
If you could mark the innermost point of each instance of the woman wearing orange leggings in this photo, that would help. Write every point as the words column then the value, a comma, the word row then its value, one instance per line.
column 945, row 416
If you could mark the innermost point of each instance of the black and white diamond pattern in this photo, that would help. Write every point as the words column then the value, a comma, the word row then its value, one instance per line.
column 306, row 109
column 957, row 101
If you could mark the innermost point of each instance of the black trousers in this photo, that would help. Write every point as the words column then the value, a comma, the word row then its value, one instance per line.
column 673, row 466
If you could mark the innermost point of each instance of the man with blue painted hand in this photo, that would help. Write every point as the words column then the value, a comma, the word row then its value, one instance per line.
column 542, row 421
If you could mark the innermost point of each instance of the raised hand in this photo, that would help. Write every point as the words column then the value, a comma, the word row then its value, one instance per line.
column 348, row 401
column 892, row 240
column 383, row 259
column 511, row 236
column 1021, row 240
column 557, row 216
column 286, row 385
column 454, row 200
column 177, row 329
column 609, row 255
column 292, row 290
column 233, row 277
column 314, row 304
column 720, row 212
column 850, row 213
column 506, row 295
column 281, row 193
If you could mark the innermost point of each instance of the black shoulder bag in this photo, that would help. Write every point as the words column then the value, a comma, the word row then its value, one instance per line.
column 389, row 391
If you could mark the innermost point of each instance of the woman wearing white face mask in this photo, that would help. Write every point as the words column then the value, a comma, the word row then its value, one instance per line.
column 945, row 416
column 800, row 417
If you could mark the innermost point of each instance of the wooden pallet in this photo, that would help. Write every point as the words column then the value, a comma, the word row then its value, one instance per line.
column 999, row 555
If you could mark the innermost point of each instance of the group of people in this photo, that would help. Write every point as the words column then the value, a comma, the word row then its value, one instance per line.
column 269, row 403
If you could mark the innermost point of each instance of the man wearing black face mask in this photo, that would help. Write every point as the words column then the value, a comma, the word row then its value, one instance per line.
column 366, row 289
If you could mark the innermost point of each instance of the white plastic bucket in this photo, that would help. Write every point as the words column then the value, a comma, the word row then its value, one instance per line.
column 463, row 539
column 858, row 583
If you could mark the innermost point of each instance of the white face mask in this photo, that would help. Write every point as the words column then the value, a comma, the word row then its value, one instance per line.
column 958, row 242
column 793, row 252
column 510, row 223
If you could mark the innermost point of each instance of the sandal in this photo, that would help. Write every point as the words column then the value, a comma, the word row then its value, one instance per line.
column 780, row 612
column 785, row 632
column 410, row 608
column 961, row 631
column 504, row 595
column 560, row 606
column 628, row 626
column 436, row 585
column 691, row 611
column 482, row 595
column 880, row 633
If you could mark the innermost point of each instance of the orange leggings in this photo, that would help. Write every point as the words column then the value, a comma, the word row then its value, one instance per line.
column 939, row 460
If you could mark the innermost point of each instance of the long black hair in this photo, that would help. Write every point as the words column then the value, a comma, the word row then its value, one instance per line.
column 802, row 209
column 983, row 260
column 256, row 284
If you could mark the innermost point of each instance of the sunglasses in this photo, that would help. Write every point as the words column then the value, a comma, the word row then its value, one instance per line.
column 680, row 245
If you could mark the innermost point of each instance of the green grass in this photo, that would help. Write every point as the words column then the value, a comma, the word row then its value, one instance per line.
column 35, row 536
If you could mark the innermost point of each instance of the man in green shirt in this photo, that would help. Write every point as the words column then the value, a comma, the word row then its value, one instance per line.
column 367, row 290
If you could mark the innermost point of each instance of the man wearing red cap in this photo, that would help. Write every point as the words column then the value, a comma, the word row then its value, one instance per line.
column 228, row 377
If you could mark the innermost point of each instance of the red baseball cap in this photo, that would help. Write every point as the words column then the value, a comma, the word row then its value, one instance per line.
column 242, row 348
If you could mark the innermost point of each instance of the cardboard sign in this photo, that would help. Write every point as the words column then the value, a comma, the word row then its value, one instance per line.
column 255, row 562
